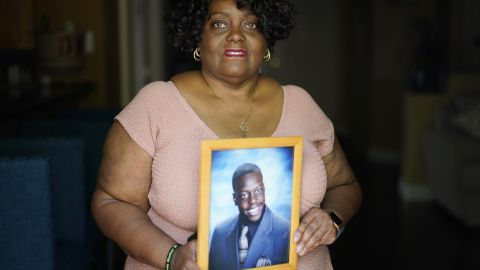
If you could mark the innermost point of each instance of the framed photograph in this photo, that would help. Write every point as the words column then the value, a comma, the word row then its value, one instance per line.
column 249, row 203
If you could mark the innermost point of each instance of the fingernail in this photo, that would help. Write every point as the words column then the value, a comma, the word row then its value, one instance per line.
column 299, row 248
column 296, row 237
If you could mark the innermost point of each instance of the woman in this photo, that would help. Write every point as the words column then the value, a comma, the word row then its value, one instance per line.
column 147, row 191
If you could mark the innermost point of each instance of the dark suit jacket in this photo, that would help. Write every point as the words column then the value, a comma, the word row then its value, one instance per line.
column 271, row 240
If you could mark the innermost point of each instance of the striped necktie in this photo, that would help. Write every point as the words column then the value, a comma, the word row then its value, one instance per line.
column 243, row 244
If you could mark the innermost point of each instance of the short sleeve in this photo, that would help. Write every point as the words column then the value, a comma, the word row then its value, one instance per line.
column 310, row 117
column 139, row 117
column 325, row 142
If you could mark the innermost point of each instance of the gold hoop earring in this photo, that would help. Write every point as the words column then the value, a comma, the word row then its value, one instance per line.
column 196, row 55
column 267, row 55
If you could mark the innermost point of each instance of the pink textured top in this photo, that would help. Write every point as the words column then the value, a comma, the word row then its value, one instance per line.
column 161, row 121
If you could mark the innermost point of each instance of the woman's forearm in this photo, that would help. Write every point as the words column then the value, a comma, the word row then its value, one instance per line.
column 344, row 200
column 344, row 194
column 130, row 227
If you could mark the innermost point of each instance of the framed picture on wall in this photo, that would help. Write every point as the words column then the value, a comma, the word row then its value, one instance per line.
column 249, row 203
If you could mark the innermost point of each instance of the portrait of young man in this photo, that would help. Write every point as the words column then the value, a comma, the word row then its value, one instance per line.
column 255, row 236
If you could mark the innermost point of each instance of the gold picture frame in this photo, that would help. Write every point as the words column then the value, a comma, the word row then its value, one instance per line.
column 280, row 160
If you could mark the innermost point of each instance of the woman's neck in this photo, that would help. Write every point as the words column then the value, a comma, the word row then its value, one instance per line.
column 231, row 87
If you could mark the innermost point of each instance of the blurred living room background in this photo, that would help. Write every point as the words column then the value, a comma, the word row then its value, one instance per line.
column 400, row 80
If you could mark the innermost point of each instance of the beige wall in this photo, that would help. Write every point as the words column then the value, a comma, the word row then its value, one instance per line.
column 20, row 35
column 320, row 56
column 316, row 57
column 392, row 55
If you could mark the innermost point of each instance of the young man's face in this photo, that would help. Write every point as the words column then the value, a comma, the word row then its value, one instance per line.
column 250, row 195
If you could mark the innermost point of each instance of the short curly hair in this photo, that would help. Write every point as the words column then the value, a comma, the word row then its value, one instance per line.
column 185, row 23
column 242, row 170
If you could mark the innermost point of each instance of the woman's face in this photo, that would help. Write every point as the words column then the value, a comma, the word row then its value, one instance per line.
column 231, row 45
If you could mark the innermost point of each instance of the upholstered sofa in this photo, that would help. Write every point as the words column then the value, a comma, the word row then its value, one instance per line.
column 26, row 224
column 452, row 156
column 67, row 183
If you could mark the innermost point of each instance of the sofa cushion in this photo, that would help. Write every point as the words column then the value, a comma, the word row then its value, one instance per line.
column 66, row 165
column 470, row 178
column 469, row 121
column 26, row 226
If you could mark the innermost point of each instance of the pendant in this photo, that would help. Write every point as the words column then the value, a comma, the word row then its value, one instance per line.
column 243, row 129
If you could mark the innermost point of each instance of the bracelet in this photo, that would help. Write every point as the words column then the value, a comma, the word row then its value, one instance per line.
column 337, row 223
column 338, row 229
column 192, row 237
column 170, row 253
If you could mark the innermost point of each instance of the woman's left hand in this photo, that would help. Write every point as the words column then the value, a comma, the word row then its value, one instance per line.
column 316, row 228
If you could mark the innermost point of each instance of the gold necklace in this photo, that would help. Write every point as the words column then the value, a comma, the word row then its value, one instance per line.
column 243, row 124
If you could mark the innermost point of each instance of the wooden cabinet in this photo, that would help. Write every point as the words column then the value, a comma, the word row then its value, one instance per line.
column 16, row 24
column 418, row 115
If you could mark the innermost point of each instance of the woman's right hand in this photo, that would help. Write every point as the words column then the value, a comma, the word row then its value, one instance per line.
column 185, row 257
